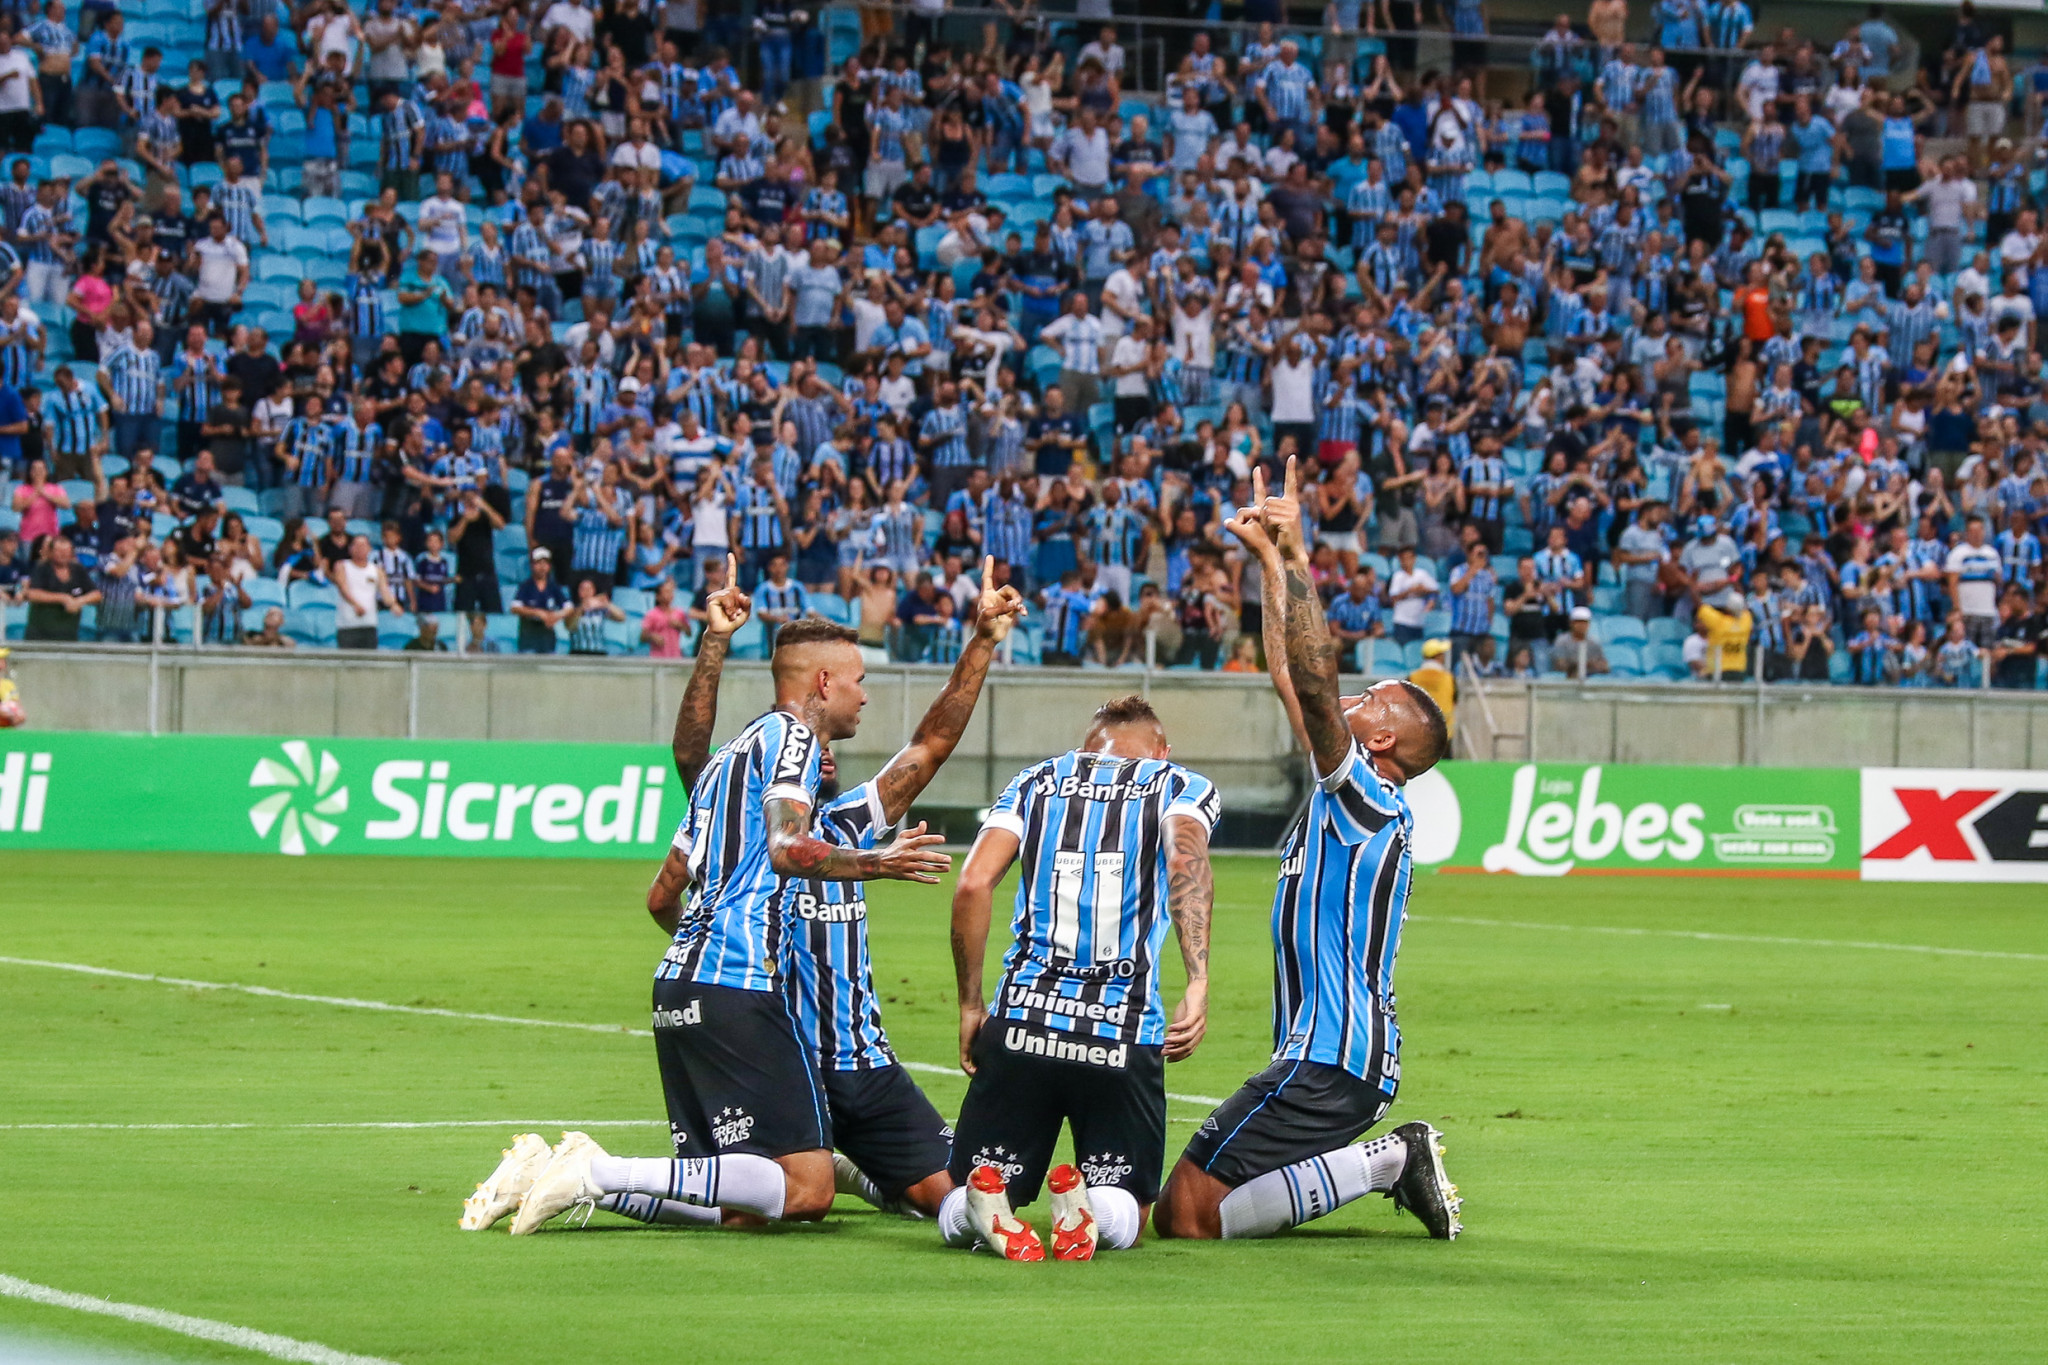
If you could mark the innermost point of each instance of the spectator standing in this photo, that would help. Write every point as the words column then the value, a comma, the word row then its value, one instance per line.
column 1973, row 570
column 541, row 604
column 1410, row 591
column 360, row 589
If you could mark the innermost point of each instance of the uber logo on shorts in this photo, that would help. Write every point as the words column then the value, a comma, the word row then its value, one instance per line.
column 692, row 1013
column 1064, row 1047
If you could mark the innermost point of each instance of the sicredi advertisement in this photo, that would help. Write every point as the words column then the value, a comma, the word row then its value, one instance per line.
column 299, row 797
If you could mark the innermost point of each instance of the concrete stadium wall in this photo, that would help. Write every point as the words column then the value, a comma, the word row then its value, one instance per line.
column 1228, row 726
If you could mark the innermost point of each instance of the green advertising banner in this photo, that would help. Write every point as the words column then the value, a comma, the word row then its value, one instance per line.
column 450, row 798
column 458, row 798
column 1551, row 819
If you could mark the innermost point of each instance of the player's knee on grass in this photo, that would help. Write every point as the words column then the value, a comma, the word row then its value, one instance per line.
column 927, row 1194
column 1190, row 1204
column 807, row 1186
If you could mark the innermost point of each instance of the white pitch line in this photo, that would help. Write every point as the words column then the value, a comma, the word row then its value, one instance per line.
column 205, row 1329
column 385, row 1006
column 1710, row 937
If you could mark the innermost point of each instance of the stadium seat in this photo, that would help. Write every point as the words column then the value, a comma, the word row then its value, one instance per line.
column 750, row 641
column 322, row 210
column 1614, row 630
column 1666, row 630
column 238, row 499
column 304, row 593
column 278, row 209
column 264, row 592
column 1551, row 184
column 1625, row 659
column 275, row 265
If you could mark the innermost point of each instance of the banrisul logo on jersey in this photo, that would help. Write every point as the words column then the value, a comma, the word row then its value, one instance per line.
column 298, row 797
column 1555, row 819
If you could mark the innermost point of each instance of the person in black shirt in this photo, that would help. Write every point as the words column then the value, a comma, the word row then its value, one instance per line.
column 965, row 195
column 917, row 203
column 545, row 500
column 58, row 590
column 1448, row 239
column 197, row 109
column 118, row 515
column 105, row 191
column 1702, row 193
column 242, row 137
column 476, row 560
column 333, row 547
column 574, row 168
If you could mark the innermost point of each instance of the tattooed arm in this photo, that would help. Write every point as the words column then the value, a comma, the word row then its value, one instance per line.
column 936, row 736
column 1190, row 899
column 726, row 611
column 665, row 897
column 1247, row 527
column 1311, row 651
column 793, row 851
column 973, row 899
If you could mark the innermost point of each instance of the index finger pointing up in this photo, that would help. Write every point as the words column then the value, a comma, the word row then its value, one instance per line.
column 1293, row 480
column 1258, row 484
column 988, row 573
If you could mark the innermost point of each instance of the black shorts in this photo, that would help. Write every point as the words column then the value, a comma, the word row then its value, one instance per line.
column 735, row 1077
column 887, row 1127
column 1018, row 1099
column 1289, row 1112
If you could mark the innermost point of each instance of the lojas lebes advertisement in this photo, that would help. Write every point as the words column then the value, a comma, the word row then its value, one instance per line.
column 298, row 797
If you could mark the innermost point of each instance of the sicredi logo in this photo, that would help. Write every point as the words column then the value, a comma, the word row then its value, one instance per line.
column 1549, row 839
column 24, row 792
column 309, row 793
column 421, row 799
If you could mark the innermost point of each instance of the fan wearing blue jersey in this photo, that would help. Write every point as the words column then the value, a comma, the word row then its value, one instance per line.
column 746, row 1105
column 1114, row 841
column 1281, row 1151
column 894, row 1146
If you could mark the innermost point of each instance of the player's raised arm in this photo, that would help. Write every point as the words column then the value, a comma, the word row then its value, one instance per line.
column 727, row 609
column 1247, row 527
column 936, row 736
column 1311, row 653
column 1190, row 899
column 973, row 898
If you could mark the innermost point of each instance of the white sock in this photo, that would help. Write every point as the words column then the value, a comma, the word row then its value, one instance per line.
column 848, row 1178
column 954, row 1229
column 645, row 1208
column 1307, row 1190
column 1117, row 1218
column 749, row 1184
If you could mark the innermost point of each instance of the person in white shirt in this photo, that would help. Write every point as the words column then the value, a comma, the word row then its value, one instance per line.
column 1294, row 407
column 1759, row 84
column 1973, row 569
column 1105, row 49
column 223, row 265
column 1122, row 302
column 1131, row 391
column 637, row 151
column 2017, row 248
column 441, row 223
column 1410, row 590
column 1974, row 278
column 570, row 15
column 359, row 586
column 870, row 311
column 1082, row 153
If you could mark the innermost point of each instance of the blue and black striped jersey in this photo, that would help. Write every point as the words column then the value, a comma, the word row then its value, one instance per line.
column 831, row 977
column 734, row 930
column 1337, row 913
column 1091, row 911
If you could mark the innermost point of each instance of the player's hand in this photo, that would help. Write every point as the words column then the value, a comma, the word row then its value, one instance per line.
column 998, row 609
column 972, row 1016
column 728, row 608
column 1281, row 514
column 912, row 857
column 1190, row 1022
column 1247, row 527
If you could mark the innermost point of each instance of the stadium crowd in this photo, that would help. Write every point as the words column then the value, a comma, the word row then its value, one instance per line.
column 500, row 325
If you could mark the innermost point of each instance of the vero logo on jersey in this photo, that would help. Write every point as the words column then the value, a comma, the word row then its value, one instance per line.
column 309, row 795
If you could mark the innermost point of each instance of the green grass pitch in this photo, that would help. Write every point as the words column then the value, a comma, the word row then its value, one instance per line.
column 1671, row 1148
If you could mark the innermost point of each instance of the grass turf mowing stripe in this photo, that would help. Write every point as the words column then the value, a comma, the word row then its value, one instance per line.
column 205, row 1329
column 1708, row 936
column 385, row 1006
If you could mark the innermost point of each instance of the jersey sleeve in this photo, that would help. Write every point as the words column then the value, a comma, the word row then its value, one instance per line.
column 1008, row 811
column 1356, row 801
column 855, row 819
column 794, row 760
column 1195, row 796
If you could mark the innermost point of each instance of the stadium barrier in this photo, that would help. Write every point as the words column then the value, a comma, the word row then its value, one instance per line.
column 465, row 798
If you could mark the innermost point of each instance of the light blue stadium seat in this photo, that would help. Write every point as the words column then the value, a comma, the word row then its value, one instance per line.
column 1779, row 220
column 1625, row 659
column 1620, row 630
column 1042, row 186
column 264, row 592
column 1666, row 630
column 1551, row 184
column 65, row 166
column 238, row 499
column 322, row 209
column 306, row 593
column 95, row 143
column 279, row 209
column 275, row 265
column 750, row 641
column 313, row 625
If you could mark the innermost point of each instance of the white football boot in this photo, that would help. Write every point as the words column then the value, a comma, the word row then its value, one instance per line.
column 1073, row 1217
column 1001, row 1231
column 562, row 1184
column 508, row 1184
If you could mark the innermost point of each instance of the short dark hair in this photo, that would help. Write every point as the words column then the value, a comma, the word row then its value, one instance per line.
column 1125, row 711
column 814, row 630
column 1437, row 731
